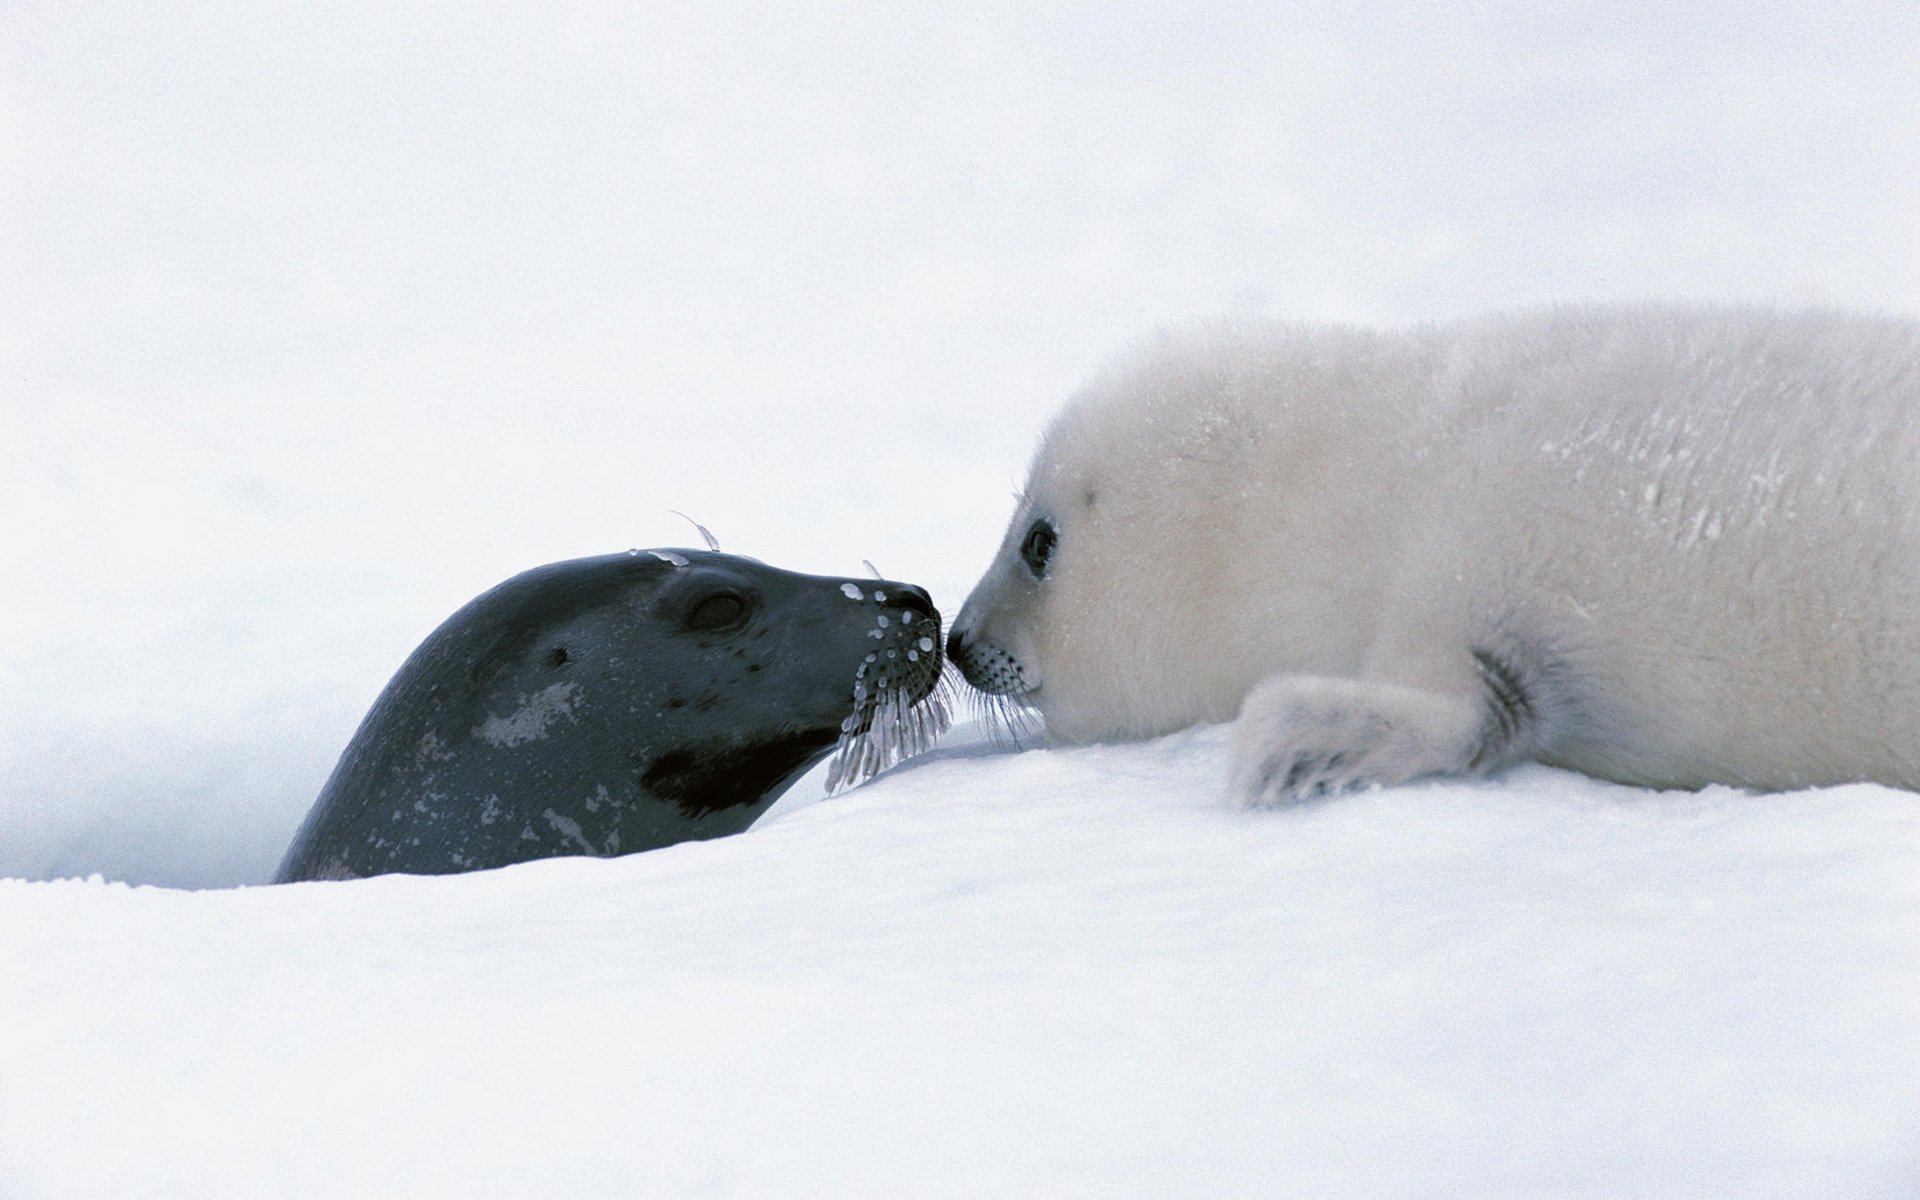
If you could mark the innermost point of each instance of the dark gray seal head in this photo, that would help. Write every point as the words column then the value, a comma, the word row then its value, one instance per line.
column 622, row 703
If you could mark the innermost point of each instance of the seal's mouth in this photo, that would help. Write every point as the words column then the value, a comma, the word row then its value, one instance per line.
column 901, row 700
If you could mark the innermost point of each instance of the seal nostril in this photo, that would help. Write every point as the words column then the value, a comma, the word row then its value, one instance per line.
column 914, row 599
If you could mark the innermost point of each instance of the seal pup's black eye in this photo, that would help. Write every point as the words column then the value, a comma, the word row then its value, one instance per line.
column 720, row 611
column 1037, row 547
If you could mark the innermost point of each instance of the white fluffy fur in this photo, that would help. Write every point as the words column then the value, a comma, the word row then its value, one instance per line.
column 1683, row 544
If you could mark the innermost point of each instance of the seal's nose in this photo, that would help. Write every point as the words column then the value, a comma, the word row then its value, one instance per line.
column 956, row 645
column 914, row 599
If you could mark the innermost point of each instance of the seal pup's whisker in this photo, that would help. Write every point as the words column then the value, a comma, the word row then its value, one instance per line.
column 1008, row 720
column 1019, row 720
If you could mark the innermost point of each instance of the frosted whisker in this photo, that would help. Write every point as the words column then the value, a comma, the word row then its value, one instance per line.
column 713, row 543
column 897, row 728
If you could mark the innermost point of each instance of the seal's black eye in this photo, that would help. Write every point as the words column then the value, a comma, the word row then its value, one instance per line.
column 722, row 610
column 1037, row 548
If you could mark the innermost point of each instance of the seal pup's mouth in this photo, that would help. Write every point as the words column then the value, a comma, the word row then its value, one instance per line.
column 999, row 690
column 902, row 702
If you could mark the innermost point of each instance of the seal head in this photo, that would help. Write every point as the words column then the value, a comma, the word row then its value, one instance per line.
column 620, row 703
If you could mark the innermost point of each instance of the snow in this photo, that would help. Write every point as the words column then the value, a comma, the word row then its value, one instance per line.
column 317, row 323
column 1060, row 972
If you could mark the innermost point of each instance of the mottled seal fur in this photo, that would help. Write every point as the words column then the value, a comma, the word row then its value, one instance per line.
column 1665, row 545
column 614, row 704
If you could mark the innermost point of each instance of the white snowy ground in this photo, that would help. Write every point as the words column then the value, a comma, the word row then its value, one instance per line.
column 315, row 322
column 1058, row 973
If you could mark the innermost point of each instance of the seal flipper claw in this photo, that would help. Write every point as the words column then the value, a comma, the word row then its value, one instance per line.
column 1302, row 737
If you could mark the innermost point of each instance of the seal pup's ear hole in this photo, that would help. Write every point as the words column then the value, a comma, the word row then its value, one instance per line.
column 558, row 657
column 720, row 611
column 1036, row 549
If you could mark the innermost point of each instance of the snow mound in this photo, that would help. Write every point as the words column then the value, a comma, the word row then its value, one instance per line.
column 1051, row 973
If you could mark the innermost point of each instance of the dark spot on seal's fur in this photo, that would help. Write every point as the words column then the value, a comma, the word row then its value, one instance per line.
column 709, row 777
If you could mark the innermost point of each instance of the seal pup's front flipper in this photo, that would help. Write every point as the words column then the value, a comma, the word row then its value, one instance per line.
column 1300, row 737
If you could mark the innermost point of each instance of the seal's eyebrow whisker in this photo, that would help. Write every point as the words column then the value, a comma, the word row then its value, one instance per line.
column 871, row 569
column 713, row 543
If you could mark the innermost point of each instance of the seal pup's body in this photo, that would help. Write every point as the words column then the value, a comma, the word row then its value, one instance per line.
column 1668, row 546
column 621, row 703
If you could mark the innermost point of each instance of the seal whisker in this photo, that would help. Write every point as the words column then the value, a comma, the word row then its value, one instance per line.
column 896, row 728
column 1009, row 721
column 713, row 543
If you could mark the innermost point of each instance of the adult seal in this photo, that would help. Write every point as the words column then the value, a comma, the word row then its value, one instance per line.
column 1663, row 545
column 614, row 704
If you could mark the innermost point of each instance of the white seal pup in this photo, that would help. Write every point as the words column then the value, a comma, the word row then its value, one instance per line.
column 1663, row 545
